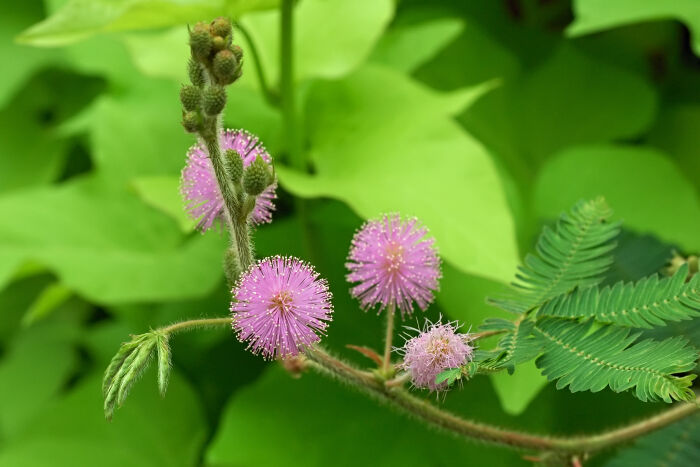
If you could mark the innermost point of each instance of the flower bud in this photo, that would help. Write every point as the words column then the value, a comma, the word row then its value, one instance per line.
column 256, row 177
column 221, row 27
column 214, row 99
column 218, row 43
column 224, row 66
column 200, row 41
column 234, row 164
column 237, row 52
column 192, row 121
column 196, row 73
column 190, row 96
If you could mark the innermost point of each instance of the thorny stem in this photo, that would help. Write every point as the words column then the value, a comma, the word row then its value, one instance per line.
column 422, row 409
column 236, row 218
column 388, row 338
column 398, row 397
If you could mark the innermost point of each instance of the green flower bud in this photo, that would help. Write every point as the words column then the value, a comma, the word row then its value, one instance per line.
column 214, row 100
column 221, row 27
column 192, row 121
column 224, row 66
column 190, row 96
column 200, row 41
column 256, row 177
column 196, row 73
column 234, row 164
column 218, row 43
column 237, row 52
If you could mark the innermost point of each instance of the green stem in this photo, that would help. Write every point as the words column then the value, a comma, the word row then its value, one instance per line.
column 195, row 324
column 388, row 338
column 469, row 429
column 289, row 111
column 259, row 71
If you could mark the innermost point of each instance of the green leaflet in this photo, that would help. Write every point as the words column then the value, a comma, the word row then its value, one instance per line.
column 644, row 304
column 609, row 357
column 517, row 346
column 575, row 255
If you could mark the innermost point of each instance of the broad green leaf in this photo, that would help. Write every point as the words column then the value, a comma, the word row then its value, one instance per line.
column 109, row 247
column 408, row 45
column 296, row 423
column 331, row 37
column 50, row 298
column 381, row 142
column 675, row 133
column 32, row 372
column 598, row 15
column 161, row 54
column 516, row 391
column 78, row 19
column 163, row 193
column 149, row 430
column 642, row 185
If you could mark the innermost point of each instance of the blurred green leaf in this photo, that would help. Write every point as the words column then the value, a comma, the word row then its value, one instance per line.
column 331, row 37
column 641, row 185
column 381, row 142
column 297, row 425
column 406, row 46
column 150, row 430
column 109, row 247
column 163, row 193
column 31, row 374
column 46, row 301
column 598, row 15
column 517, row 390
column 79, row 19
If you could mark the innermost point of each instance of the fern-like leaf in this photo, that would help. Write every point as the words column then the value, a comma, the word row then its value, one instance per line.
column 610, row 357
column 677, row 445
column 645, row 304
column 517, row 345
column 575, row 255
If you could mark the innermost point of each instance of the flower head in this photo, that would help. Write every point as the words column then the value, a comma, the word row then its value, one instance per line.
column 203, row 198
column 393, row 263
column 438, row 348
column 280, row 306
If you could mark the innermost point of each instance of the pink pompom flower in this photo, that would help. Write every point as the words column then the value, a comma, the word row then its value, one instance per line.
column 280, row 306
column 437, row 348
column 393, row 262
column 203, row 199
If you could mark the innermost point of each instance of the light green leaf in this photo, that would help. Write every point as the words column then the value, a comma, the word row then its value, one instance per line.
column 79, row 19
column 517, row 390
column 163, row 193
column 109, row 247
column 297, row 425
column 598, row 15
column 381, row 142
column 72, row 431
column 641, row 184
column 405, row 47
column 47, row 301
column 331, row 37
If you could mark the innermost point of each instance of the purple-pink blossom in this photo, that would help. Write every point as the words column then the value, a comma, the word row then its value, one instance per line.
column 280, row 307
column 394, row 263
column 203, row 199
column 438, row 348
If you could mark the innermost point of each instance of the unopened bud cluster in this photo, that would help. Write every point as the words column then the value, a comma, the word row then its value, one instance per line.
column 216, row 62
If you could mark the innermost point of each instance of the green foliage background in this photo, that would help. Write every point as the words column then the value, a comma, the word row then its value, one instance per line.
column 483, row 118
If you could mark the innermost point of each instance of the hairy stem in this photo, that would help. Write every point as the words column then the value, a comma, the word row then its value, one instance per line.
column 424, row 410
column 195, row 324
column 388, row 338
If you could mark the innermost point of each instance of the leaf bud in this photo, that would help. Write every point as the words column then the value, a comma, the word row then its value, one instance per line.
column 192, row 121
column 214, row 100
column 200, row 41
column 257, row 177
column 234, row 164
column 190, row 96
column 225, row 66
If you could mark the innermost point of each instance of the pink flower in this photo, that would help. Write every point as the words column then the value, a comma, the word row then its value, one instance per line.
column 438, row 348
column 203, row 198
column 280, row 306
column 393, row 263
